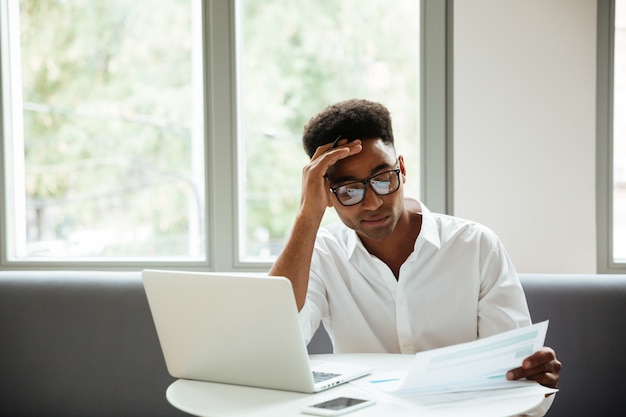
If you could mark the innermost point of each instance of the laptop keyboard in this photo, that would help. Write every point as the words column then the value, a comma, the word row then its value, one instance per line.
column 323, row 376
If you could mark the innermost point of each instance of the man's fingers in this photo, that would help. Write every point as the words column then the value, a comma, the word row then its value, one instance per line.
column 336, row 151
column 542, row 366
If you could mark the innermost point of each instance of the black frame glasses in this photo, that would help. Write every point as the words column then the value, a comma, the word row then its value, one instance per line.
column 353, row 193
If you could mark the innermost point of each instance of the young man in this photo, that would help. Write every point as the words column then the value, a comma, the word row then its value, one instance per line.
column 392, row 276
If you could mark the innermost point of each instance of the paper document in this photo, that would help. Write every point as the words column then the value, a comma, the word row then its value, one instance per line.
column 477, row 365
column 473, row 372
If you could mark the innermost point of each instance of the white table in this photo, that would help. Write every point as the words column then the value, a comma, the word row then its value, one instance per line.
column 208, row 399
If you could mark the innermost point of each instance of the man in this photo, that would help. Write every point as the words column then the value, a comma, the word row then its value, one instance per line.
column 392, row 276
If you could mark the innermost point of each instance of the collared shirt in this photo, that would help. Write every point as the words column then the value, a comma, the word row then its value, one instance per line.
column 457, row 285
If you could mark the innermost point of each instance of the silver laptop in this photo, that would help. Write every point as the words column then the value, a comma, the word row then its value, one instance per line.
column 236, row 329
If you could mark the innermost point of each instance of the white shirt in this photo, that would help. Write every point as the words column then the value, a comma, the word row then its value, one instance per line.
column 458, row 285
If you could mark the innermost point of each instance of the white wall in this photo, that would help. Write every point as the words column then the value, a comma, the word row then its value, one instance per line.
column 524, row 127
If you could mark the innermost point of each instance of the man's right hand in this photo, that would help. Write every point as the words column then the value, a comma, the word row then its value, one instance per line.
column 294, row 261
column 315, row 188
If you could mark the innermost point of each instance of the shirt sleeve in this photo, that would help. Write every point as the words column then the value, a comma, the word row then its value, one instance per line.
column 315, row 309
column 311, row 313
column 306, row 322
column 541, row 409
column 502, row 303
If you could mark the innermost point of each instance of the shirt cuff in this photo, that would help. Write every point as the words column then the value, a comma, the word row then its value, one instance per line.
column 304, row 316
column 541, row 409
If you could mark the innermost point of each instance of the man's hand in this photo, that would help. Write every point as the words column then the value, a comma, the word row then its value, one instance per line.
column 542, row 366
column 314, row 186
column 294, row 261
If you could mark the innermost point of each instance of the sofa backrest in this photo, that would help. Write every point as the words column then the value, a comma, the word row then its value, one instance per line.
column 83, row 344
column 79, row 344
column 587, row 330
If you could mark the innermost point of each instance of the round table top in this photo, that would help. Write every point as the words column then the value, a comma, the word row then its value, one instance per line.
column 211, row 399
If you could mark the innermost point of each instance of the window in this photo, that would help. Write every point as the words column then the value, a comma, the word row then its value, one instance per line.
column 294, row 59
column 137, row 135
column 103, row 130
column 612, row 136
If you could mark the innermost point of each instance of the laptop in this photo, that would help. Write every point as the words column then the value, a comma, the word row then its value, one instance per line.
column 236, row 329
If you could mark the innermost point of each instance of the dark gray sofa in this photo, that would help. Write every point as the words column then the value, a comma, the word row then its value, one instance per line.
column 83, row 344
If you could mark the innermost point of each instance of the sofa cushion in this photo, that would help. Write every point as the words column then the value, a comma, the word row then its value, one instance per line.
column 587, row 330
column 83, row 343
column 79, row 344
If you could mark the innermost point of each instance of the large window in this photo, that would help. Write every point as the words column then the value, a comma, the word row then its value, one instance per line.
column 103, row 130
column 138, row 133
column 294, row 59
column 612, row 136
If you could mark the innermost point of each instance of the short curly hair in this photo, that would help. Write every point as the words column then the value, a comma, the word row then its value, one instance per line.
column 352, row 119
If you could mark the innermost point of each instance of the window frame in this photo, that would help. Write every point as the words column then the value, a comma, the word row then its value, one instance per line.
column 222, row 153
column 604, row 139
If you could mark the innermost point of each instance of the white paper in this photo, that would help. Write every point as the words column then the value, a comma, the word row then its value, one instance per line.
column 481, row 364
column 468, row 372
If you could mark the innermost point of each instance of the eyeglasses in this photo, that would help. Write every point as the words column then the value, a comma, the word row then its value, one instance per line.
column 354, row 192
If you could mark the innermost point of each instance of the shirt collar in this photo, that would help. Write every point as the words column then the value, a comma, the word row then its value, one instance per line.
column 429, row 233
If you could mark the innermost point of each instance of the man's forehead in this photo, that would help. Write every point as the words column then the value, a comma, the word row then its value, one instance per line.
column 375, row 156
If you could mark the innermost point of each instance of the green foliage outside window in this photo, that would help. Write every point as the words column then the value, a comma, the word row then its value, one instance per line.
column 108, row 108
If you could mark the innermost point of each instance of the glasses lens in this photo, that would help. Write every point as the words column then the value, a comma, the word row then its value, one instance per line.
column 351, row 194
column 354, row 192
column 385, row 183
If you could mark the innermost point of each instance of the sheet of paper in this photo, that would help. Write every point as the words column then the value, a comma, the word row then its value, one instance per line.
column 481, row 364
column 466, row 373
column 384, row 387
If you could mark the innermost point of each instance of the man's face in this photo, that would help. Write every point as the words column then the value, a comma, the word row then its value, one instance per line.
column 376, row 216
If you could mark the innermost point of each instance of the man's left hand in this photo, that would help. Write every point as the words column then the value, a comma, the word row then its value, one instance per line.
column 542, row 366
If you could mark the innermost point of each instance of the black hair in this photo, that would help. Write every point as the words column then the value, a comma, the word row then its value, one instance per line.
column 351, row 119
